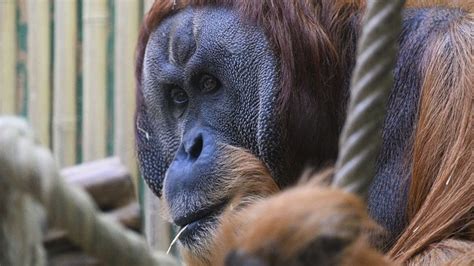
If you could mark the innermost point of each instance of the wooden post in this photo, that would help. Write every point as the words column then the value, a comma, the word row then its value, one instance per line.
column 126, row 35
column 39, row 85
column 64, row 112
column 95, row 25
column 7, row 56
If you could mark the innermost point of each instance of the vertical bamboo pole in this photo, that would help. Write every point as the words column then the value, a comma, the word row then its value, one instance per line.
column 95, row 17
column 64, row 112
column 7, row 56
column 39, row 85
column 126, row 35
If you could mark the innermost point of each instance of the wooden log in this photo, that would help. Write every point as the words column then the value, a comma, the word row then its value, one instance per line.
column 64, row 115
column 126, row 33
column 95, row 26
column 107, row 181
column 129, row 216
column 38, row 76
column 7, row 57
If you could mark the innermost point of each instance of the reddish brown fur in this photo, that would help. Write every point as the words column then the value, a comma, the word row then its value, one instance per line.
column 275, row 230
column 451, row 252
column 277, row 224
column 441, row 203
column 466, row 4
column 277, row 233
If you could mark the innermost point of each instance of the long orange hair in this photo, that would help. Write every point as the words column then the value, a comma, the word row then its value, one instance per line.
column 441, row 199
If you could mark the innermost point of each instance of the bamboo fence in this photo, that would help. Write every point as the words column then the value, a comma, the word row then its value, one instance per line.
column 67, row 66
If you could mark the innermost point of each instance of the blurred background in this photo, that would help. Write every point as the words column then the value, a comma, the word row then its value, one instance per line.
column 67, row 66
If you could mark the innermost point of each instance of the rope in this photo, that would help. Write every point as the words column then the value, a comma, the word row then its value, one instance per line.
column 31, row 169
column 370, row 86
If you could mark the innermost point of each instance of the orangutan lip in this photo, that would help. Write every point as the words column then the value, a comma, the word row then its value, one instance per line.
column 196, row 228
column 194, row 217
column 200, row 224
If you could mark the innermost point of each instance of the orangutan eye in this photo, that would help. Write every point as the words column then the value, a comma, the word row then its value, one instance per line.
column 179, row 96
column 209, row 83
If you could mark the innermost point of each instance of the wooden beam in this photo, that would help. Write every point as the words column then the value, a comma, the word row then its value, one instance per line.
column 107, row 181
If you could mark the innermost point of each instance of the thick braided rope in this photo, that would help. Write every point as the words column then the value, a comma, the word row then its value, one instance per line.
column 32, row 169
column 371, row 82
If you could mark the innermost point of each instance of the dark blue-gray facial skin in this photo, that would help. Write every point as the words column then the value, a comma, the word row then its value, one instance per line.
column 208, row 78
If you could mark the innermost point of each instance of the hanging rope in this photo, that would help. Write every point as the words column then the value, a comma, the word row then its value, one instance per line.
column 371, row 83
column 31, row 169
